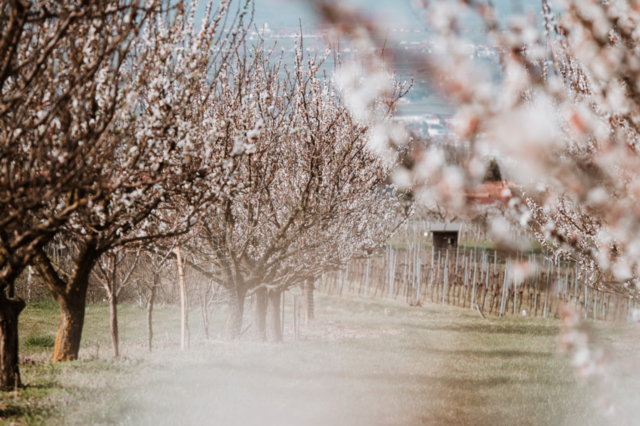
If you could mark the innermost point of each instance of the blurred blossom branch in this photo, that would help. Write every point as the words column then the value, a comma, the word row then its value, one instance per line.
column 566, row 110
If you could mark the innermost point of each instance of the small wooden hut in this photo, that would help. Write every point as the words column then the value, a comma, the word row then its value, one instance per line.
column 445, row 235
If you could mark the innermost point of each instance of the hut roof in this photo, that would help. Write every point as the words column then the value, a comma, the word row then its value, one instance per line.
column 446, row 227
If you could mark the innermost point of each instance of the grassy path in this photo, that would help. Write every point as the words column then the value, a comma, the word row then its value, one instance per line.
column 361, row 363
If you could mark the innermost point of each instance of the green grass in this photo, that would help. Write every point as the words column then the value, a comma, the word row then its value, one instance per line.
column 47, row 341
column 361, row 362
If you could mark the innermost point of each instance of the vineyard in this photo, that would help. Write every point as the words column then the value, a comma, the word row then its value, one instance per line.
column 477, row 277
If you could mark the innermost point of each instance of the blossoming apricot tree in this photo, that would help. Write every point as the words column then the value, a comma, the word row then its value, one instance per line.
column 314, row 194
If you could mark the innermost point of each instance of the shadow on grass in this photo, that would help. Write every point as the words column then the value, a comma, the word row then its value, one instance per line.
column 490, row 354
column 29, row 411
column 31, row 387
column 10, row 410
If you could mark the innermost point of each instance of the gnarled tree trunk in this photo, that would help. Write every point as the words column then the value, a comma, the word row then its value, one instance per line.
column 9, row 363
column 71, row 296
column 67, row 345
column 307, row 293
column 274, row 326
column 152, row 299
column 233, row 326
column 113, row 323
column 259, row 315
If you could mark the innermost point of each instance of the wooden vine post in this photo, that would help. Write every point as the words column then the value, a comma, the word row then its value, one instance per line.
column 183, row 300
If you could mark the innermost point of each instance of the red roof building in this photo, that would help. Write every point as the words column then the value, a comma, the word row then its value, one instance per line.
column 492, row 192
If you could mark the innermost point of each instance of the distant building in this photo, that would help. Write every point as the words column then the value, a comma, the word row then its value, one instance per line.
column 445, row 235
column 493, row 192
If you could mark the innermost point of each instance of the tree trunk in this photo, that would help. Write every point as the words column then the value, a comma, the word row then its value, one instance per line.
column 183, row 301
column 9, row 363
column 71, row 297
column 113, row 323
column 259, row 314
column 309, row 313
column 274, row 328
column 149, row 316
column 69, row 334
column 233, row 326
column 205, row 313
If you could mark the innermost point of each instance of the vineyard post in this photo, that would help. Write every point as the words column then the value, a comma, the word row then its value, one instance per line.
column 586, row 301
column 405, row 277
column 432, row 271
column 295, row 317
column 366, row 285
column 282, row 315
column 504, row 288
column 486, row 280
column 575, row 284
column 183, row 300
column 466, row 271
column 438, row 271
column 546, row 291
column 419, row 276
column 535, row 296
column 444, row 285
column 389, row 259
column 392, row 261
column 515, row 294
column 475, row 274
